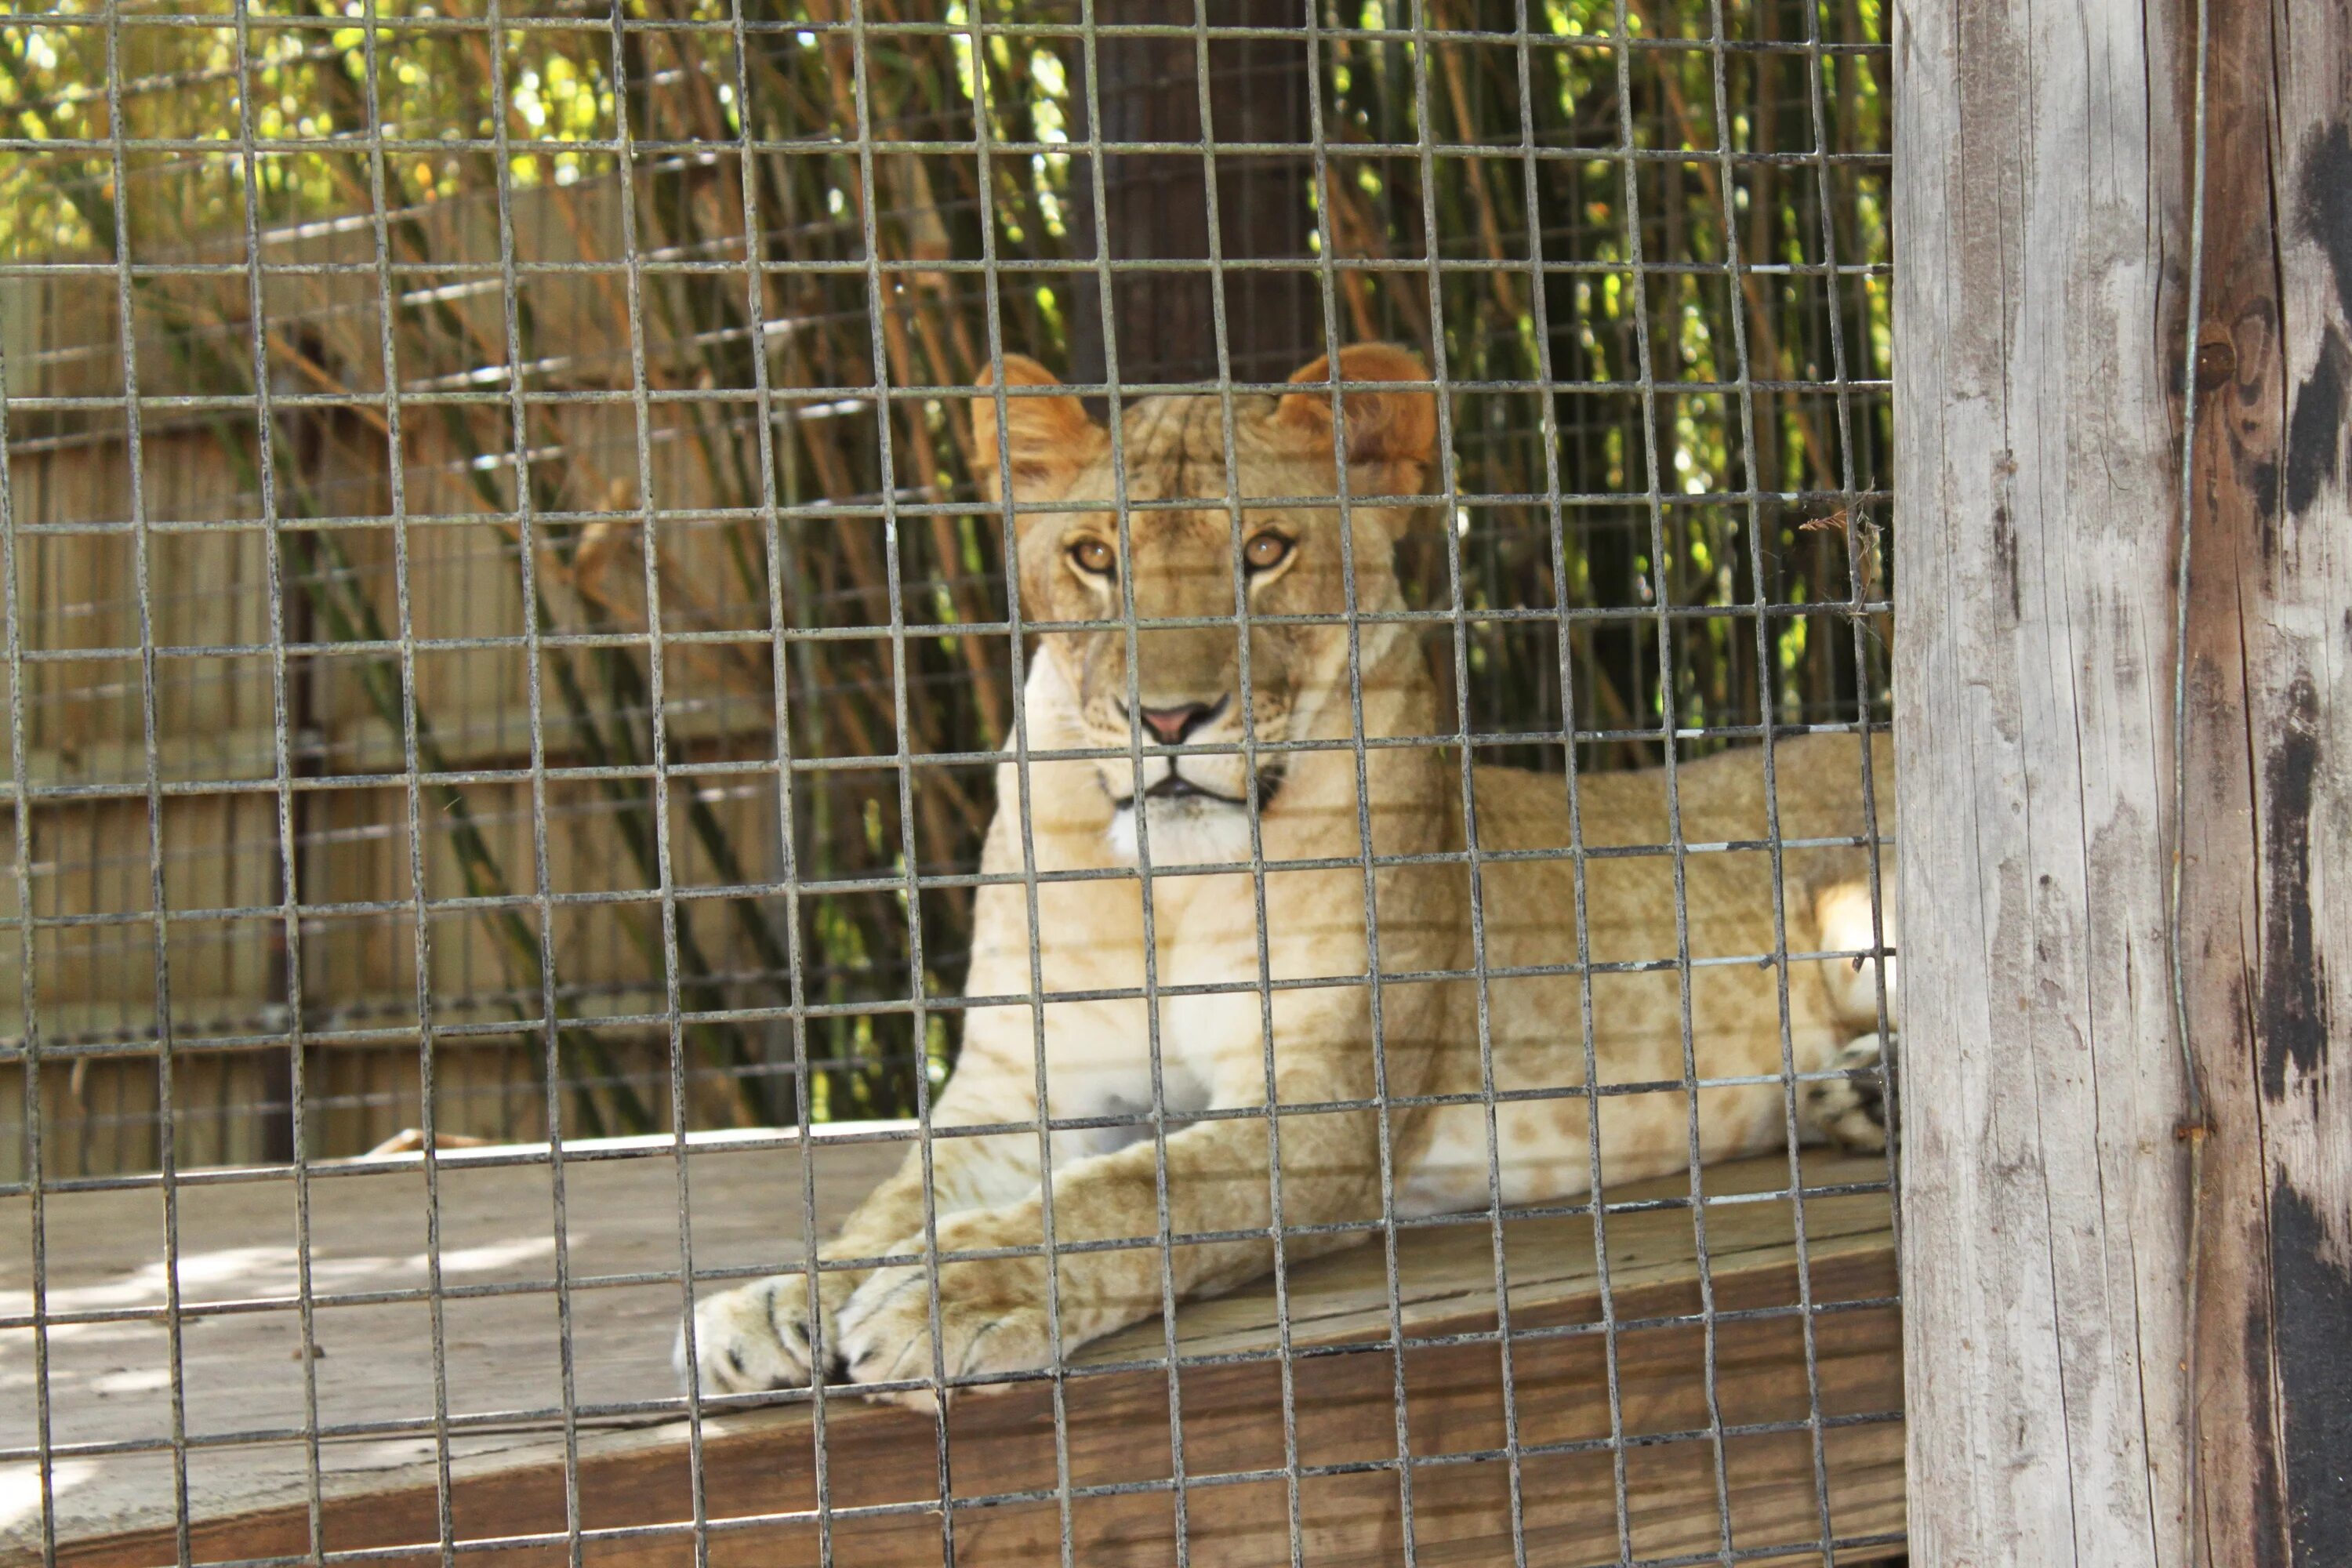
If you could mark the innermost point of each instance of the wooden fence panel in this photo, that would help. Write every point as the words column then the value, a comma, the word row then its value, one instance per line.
column 214, row 712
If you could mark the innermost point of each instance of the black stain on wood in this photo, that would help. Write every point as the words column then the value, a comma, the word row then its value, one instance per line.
column 2311, row 1296
column 2325, row 213
column 2315, row 423
column 2004, row 557
column 2314, row 431
column 2262, row 478
column 2004, row 530
column 2294, row 987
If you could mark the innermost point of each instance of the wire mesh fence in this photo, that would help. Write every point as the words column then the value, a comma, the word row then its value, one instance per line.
column 551, row 602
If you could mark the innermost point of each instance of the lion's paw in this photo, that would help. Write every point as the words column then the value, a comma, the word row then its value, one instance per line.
column 990, row 1324
column 754, row 1338
column 1851, row 1111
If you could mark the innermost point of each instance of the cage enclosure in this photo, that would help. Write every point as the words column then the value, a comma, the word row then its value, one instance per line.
column 523, row 610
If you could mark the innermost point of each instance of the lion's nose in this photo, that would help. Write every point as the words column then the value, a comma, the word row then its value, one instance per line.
column 1173, row 724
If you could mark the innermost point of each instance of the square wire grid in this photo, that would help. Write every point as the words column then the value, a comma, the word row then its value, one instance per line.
column 495, row 651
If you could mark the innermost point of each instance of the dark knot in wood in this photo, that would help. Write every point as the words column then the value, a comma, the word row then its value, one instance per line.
column 2217, row 363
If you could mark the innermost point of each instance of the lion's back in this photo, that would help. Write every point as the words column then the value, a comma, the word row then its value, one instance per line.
column 1728, row 817
column 1630, row 932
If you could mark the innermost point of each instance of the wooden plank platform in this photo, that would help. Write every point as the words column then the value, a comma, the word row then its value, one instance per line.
column 505, row 1448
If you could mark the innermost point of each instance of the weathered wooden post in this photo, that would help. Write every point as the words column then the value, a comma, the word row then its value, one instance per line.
column 2128, row 1225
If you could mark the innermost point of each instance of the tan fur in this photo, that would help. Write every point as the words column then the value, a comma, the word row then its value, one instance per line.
column 1089, row 936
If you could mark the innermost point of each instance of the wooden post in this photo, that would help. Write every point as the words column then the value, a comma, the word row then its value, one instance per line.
column 2127, row 1308
column 1156, row 203
column 2268, row 872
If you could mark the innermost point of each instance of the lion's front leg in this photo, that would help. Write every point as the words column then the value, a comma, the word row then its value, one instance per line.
column 994, row 1314
column 765, row 1334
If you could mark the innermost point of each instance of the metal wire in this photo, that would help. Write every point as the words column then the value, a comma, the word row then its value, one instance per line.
column 691, row 851
column 166, row 1152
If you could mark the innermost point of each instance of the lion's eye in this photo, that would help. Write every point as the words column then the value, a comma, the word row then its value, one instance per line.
column 1264, row 552
column 1094, row 556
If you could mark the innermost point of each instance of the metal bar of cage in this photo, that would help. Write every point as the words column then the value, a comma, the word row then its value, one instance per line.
column 165, row 1152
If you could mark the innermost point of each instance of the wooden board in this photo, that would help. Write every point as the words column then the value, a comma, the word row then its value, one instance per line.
column 242, row 1372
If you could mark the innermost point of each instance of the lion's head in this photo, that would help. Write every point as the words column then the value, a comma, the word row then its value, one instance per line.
column 1187, row 569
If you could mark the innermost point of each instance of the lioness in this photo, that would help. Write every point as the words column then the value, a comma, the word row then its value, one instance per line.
column 1282, row 1010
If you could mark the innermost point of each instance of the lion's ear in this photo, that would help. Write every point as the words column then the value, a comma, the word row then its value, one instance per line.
column 1049, row 438
column 1391, row 433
